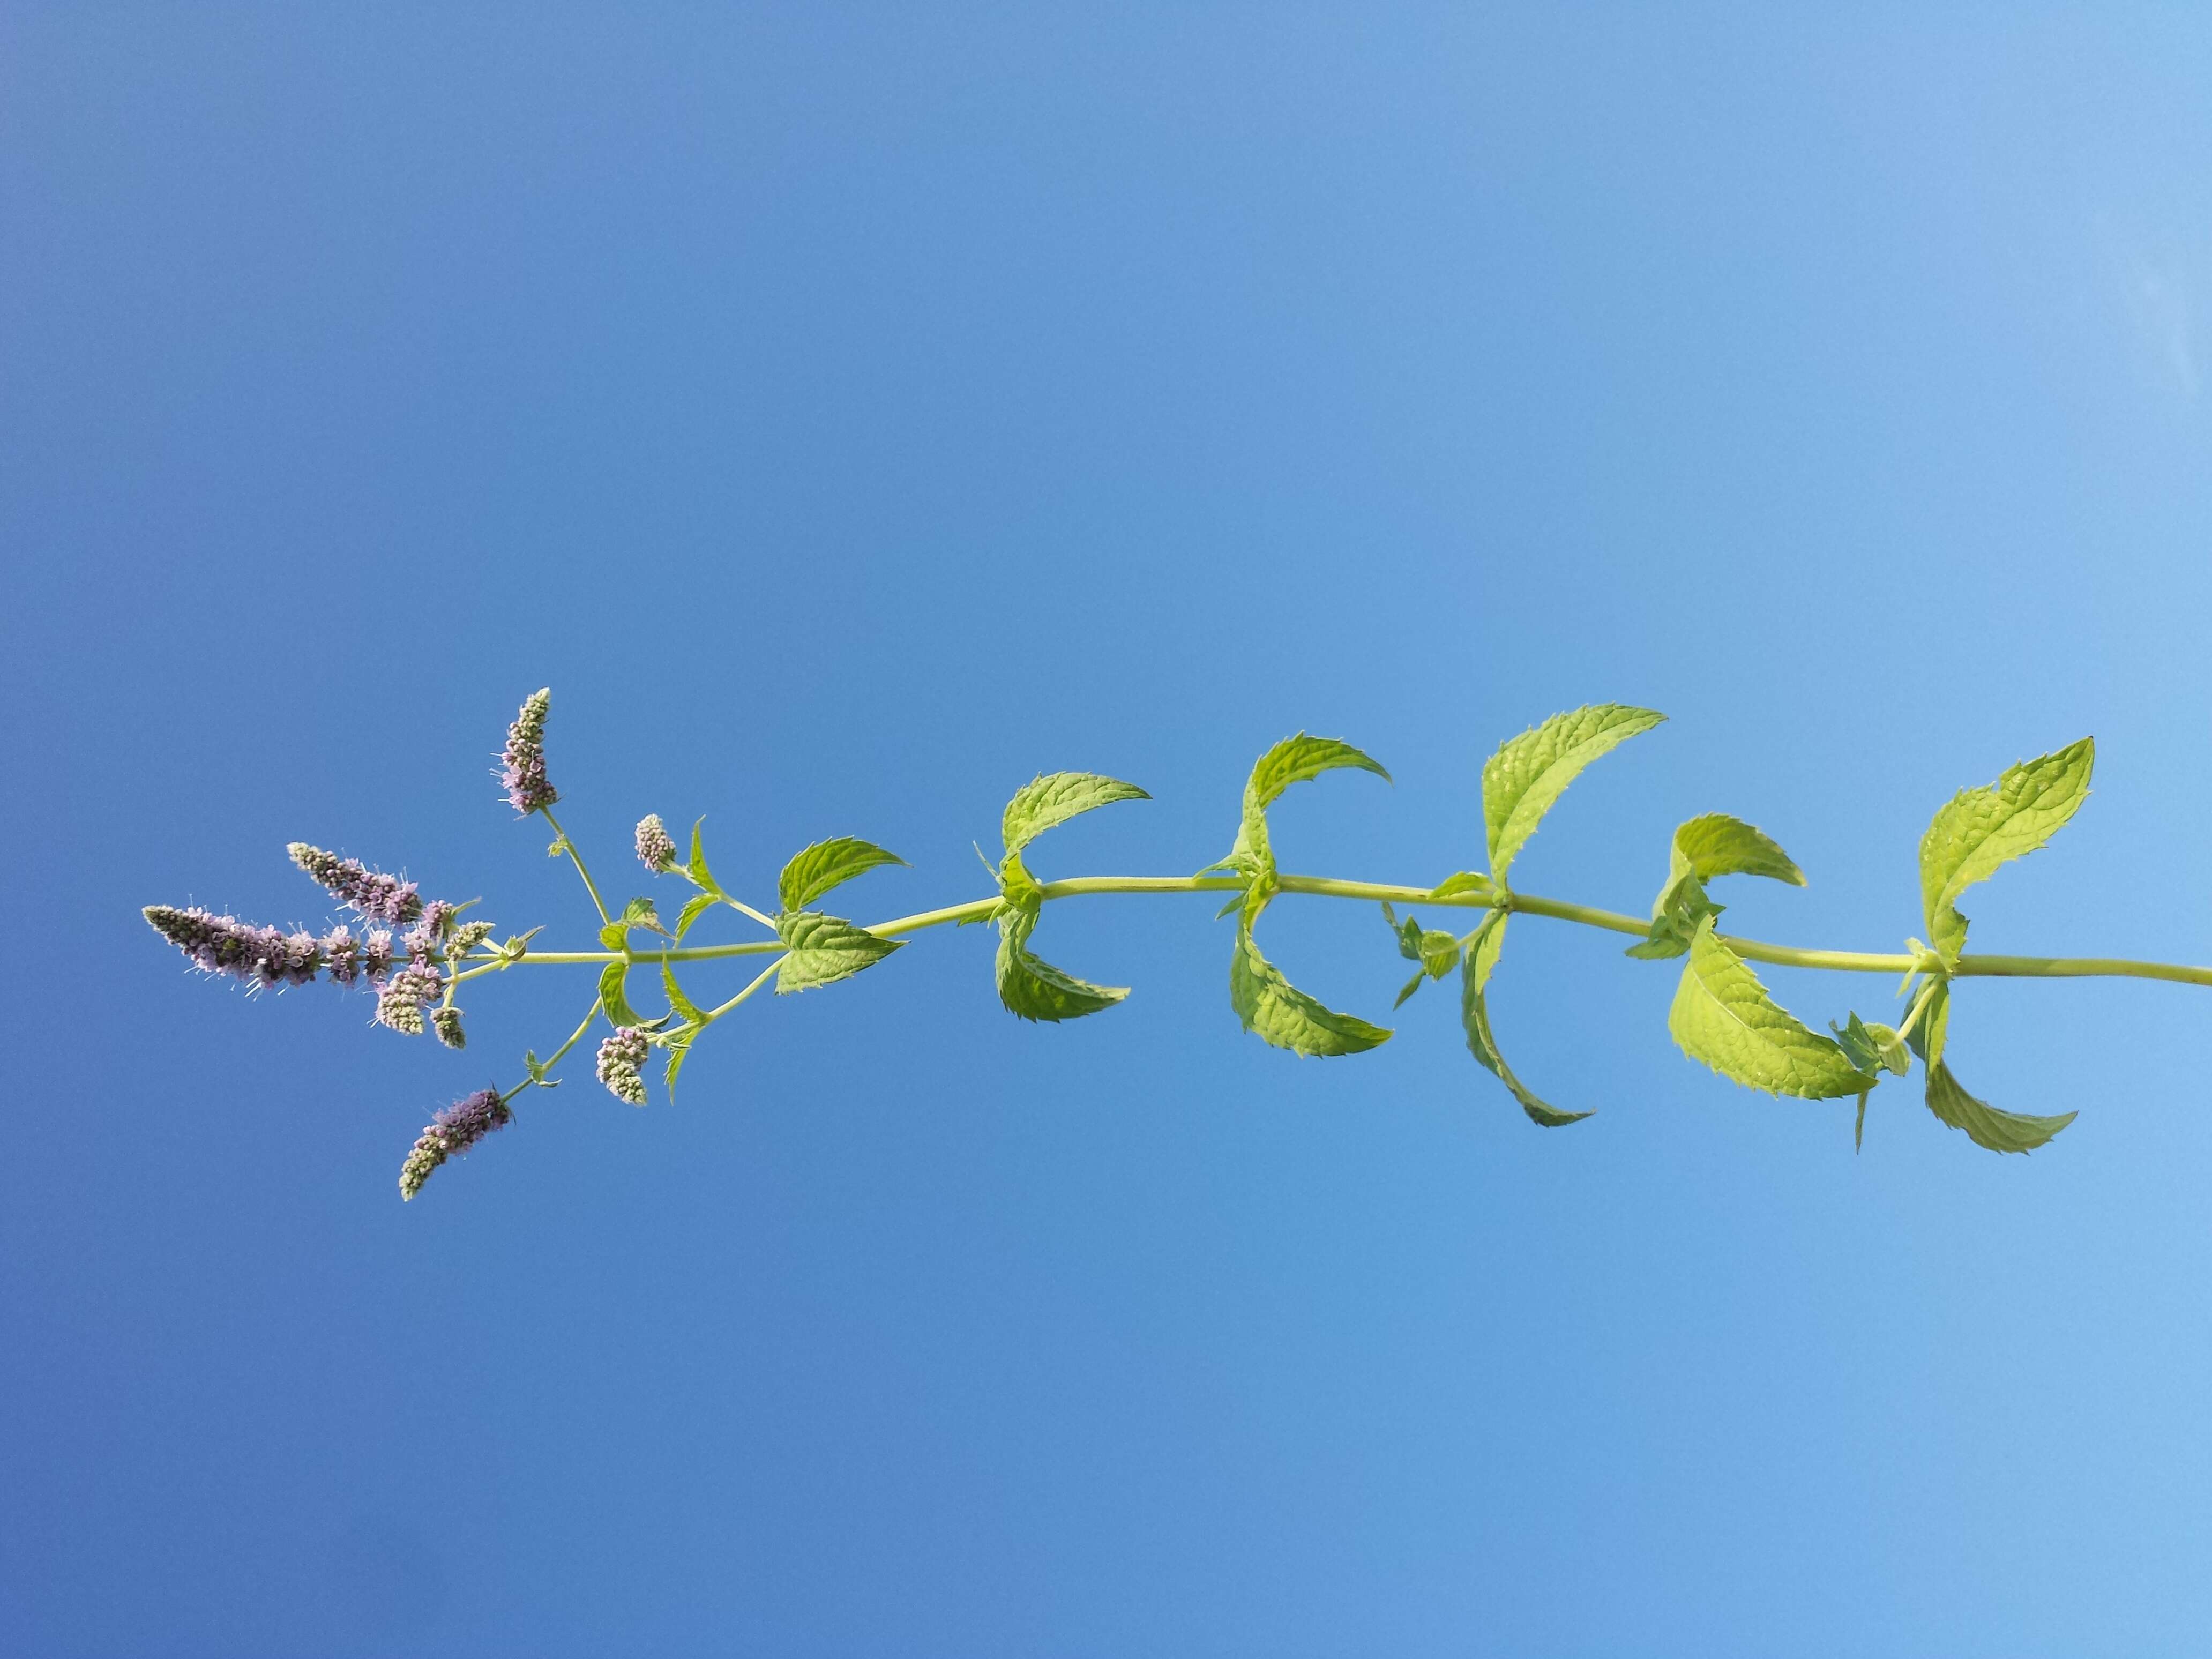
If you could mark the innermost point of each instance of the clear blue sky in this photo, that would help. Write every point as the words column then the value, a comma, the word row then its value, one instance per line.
column 851, row 410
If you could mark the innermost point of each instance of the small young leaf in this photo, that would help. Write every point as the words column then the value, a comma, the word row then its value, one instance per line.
column 1056, row 797
column 1983, row 1124
column 679, row 1048
column 1723, row 1017
column 1276, row 1012
column 694, row 907
column 814, row 871
column 1480, row 960
column 1464, row 882
column 676, row 1000
column 613, row 936
column 537, row 1068
column 701, row 877
column 1872, row 1048
column 824, row 949
column 612, row 1001
column 1529, row 772
column 640, row 913
column 1978, row 830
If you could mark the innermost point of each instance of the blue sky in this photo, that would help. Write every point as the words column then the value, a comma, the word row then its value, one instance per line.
column 851, row 411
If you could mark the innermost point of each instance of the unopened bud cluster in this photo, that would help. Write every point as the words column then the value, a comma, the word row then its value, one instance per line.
column 621, row 1058
column 656, row 850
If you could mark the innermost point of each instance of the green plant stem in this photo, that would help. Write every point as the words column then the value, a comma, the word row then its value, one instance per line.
column 575, row 1037
column 1785, row 956
column 590, row 887
column 759, row 980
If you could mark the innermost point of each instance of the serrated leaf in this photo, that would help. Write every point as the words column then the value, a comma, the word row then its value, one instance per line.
column 814, row 871
column 613, row 936
column 1723, row 1017
column 1056, row 797
column 1704, row 848
column 1476, row 966
column 823, row 949
column 676, row 1000
column 1528, row 773
column 701, row 877
column 1277, row 1012
column 679, row 1048
column 1872, row 1048
column 1033, row 988
column 537, row 1068
column 1977, row 831
column 1716, row 844
column 1983, row 1123
column 694, row 908
column 612, row 1000
column 1294, row 760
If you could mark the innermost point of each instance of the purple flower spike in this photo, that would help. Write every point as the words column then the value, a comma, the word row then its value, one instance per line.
column 656, row 851
column 620, row 1057
column 224, row 945
column 524, row 778
column 370, row 893
column 452, row 1133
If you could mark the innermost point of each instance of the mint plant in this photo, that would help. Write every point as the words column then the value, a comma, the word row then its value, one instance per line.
column 1721, row 1015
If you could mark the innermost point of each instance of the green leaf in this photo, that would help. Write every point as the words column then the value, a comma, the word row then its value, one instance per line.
column 1704, row 848
column 701, row 877
column 640, row 913
column 1928, row 1021
column 1872, row 1048
column 814, row 871
column 694, row 907
column 1464, row 882
column 824, row 949
column 1527, row 774
column 1438, row 952
column 537, row 1069
column 613, row 936
column 1033, row 988
column 1480, row 961
column 676, row 1000
column 612, row 998
column 1983, row 1124
column 1056, row 797
column 1716, row 844
column 679, row 1045
column 1276, row 1012
column 1723, row 1017
column 1293, row 760
column 1978, row 830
